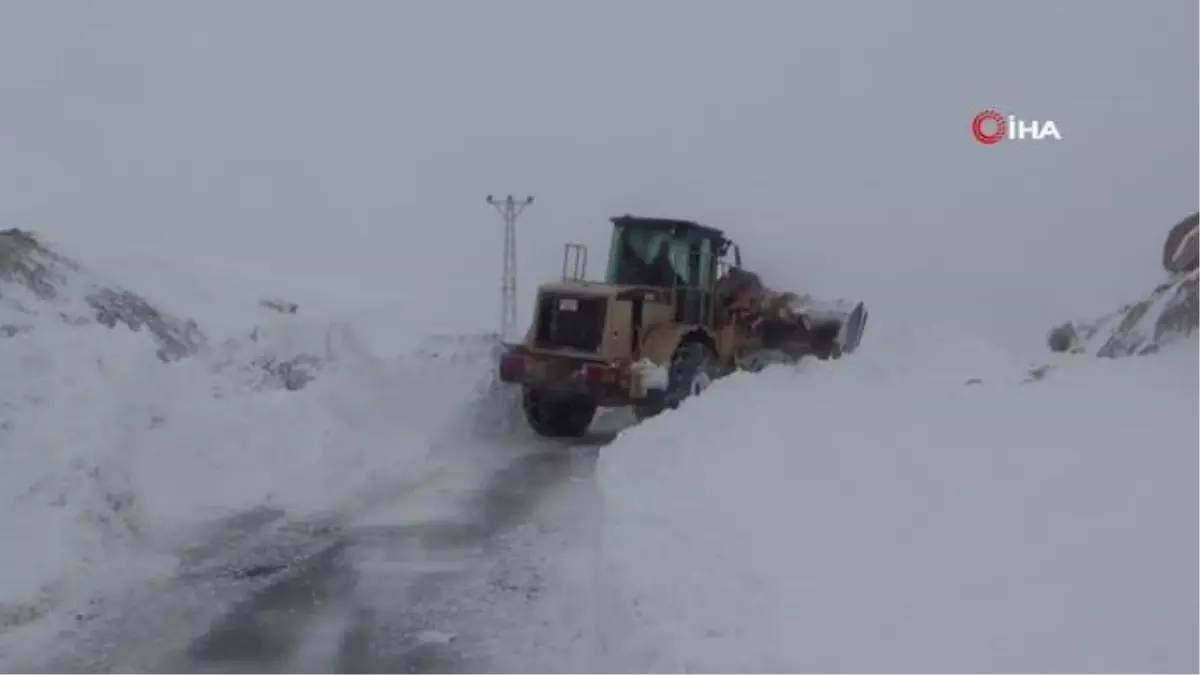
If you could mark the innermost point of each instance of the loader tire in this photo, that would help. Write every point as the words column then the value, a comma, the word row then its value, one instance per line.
column 556, row 415
column 693, row 369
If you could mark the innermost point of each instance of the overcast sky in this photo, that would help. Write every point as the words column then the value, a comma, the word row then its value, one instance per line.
column 356, row 140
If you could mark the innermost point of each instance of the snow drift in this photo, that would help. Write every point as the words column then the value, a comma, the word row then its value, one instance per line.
column 124, row 429
column 879, row 514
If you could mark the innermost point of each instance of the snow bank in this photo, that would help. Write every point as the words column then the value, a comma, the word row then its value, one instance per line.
column 881, row 514
column 123, row 431
column 361, row 422
column 108, row 451
column 67, row 497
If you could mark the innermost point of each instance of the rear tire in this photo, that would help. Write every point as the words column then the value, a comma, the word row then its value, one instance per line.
column 557, row 415
column 693, row 368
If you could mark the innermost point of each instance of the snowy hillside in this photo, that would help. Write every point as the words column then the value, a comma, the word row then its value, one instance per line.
column 1167, row 315
column 883, row 514
column 124, row 433
column 40, row 285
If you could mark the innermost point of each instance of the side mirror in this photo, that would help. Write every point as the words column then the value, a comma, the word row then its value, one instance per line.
column 737, row 255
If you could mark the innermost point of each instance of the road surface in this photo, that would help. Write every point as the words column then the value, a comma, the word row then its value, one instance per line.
column 469, row 571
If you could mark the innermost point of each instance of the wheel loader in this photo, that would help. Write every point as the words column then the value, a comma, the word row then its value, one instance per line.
column 672, row 314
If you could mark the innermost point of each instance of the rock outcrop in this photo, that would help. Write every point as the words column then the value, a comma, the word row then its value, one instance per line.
column 37, row 283
column 1167, row 314
column 1180, row 252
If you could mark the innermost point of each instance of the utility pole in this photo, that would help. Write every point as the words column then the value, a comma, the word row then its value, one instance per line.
column 509, row 208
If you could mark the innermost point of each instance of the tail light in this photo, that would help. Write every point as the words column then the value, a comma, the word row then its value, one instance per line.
column 512, row 367
column 598, row 373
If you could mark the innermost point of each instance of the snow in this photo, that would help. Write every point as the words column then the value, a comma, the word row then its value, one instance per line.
column 351, row 426
column 654, row 376
column 1165, row 315
column 823, row 311
column 65, row 488
column 935, row 502
column 880, row 514
column 930, row 503
column 115, row 460
column 434, row 637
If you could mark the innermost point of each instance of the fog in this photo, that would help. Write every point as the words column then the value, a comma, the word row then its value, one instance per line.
column 340, row 152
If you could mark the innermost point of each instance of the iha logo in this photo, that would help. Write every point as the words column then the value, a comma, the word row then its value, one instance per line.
column 990, row 127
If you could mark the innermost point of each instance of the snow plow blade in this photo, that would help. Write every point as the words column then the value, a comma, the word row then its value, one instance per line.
column 800, row 327
column 844, row 321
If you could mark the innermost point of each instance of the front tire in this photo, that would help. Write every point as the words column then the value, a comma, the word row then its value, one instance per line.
column 557, row 415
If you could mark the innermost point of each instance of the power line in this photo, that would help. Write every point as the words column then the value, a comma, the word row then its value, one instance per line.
column 509, row 208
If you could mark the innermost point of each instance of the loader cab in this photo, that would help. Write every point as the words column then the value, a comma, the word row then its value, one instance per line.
column 663, row 253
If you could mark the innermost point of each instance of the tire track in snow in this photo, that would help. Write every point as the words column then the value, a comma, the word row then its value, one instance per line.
column 376, row 599
column 262, row 591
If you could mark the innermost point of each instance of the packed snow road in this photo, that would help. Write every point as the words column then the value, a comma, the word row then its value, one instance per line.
column 468, row 571
column 394, row 592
